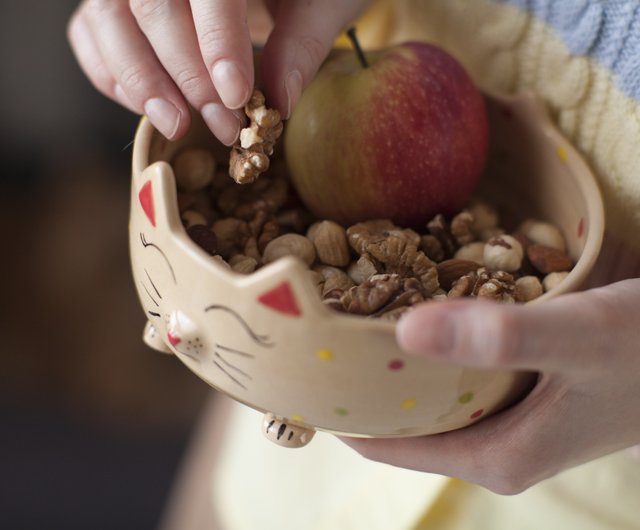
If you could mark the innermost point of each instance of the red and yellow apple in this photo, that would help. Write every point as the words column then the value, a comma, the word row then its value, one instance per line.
column 403, row 138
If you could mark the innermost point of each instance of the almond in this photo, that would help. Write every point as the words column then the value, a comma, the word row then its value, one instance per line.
column 546, row 259
column 452, row 269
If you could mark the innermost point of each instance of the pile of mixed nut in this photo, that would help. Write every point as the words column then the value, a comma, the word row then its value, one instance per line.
column 373, row 268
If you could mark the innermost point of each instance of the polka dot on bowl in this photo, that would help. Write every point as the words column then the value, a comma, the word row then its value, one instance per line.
column 467, row 397
column 297, row 417
column 395, row 365
column 408, row 404
column 325, row 355
column 341, row 411
column 477, row 414
column 562, row 153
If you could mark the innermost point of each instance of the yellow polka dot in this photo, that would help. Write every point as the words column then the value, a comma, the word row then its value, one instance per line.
column 325, row 355
column 298, row 418
column 408, row 404
column 562, row 153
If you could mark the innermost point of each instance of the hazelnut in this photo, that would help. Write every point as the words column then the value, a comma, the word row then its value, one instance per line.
column 542, row 233
column 192, row 217
column 194, row 169
column 471, row 252
column 528, row 288
column 503, row 253
column 553, row 279
column 290, row 245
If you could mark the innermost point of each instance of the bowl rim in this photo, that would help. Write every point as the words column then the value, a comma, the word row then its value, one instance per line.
column 292, row 267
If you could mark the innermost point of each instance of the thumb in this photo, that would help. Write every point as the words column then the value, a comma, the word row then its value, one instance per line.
column 302, row 37
column 581, row 331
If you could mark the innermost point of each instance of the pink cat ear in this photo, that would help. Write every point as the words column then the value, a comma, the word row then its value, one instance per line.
column 281, row 299
column 146, row 201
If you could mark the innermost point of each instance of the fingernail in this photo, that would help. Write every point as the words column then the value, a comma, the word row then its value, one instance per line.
column 164, row 116
column 293, row 86
column 222, row 122
column 232, row 86
column 431, row 336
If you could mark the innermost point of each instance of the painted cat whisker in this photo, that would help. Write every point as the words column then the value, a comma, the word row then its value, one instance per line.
column 190, row 355
column 153, row 284
column 235, row 380
column 238, row 352
column 232, row 366
column 148, row 293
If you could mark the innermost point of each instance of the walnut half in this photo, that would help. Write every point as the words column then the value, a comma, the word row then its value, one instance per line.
column 250, row 156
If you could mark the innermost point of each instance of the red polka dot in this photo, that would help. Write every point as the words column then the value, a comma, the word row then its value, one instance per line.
column 396, row 364
column 477, row 414
column 581, row 228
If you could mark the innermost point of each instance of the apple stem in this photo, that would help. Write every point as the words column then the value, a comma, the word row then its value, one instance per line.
column 351, row 33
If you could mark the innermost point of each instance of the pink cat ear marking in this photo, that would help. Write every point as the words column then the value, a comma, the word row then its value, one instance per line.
column 281, row 299
column 146, row 201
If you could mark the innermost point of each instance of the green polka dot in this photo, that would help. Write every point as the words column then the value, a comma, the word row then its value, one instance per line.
column 341, row 411
column 467, row 397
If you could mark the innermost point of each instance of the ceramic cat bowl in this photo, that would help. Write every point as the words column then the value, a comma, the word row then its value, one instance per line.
column 266, row 340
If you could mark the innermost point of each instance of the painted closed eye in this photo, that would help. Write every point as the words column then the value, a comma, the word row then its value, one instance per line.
column 148, row 245
column 147, row 283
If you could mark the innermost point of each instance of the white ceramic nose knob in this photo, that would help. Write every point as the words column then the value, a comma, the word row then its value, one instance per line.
column 285, row 433
column 152, row 338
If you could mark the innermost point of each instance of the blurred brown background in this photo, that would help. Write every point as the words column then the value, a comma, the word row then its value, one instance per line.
column 93, row 423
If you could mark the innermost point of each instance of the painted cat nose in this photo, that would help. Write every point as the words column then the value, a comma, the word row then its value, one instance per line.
column 174, row 340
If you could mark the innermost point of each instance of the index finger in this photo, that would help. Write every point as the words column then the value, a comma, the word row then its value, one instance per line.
column 225, row 43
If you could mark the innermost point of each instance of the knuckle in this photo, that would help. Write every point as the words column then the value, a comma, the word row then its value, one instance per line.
column 501, row 332
column 146, row 10
column 97, row 9
column 212, row 37
column 313, row 49
column 189, row 82
column 132, row 79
